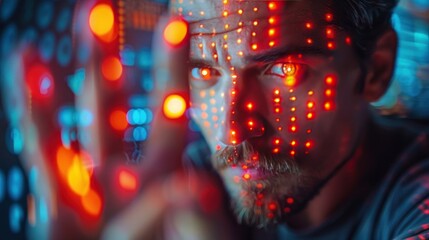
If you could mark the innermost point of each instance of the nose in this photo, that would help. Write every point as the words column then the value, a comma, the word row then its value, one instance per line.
column 243, row 115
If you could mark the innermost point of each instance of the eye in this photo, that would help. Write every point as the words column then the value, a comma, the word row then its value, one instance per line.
column 203, row 73
column 291, row 73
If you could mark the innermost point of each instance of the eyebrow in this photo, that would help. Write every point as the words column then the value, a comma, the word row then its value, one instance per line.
column 276, row 54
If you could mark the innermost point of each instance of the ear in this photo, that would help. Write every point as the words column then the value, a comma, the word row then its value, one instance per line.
column 381, row 65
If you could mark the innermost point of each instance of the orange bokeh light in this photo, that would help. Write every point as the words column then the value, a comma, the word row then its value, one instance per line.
column 101, row 20
column 118, row 120
column 175, row 32
column 127, row 180
column 111, row 68
column 174, row 106
column 92, row 203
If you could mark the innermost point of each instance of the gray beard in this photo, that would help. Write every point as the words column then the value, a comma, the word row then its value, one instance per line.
column 253, row 201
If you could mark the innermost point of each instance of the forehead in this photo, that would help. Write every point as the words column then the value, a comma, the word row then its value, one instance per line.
column 253, row 27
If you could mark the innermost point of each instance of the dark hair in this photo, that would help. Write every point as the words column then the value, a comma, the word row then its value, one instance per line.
column 364, row 20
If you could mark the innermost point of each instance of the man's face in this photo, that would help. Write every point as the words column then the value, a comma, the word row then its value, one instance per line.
column 274, row 90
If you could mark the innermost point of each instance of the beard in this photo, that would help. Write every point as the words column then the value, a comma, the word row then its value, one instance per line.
column 282, row 190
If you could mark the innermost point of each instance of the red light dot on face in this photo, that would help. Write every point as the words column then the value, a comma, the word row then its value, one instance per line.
column 331, row 45
column 276, row 150
column 272, row 206
column 328, row 92
column 293, row 128
column 272, row 6
column 249, row 106
column 246, row 176
column 271, row 43
column 328, row 106
column 308, row 25
column 310, row 116
column 276, row 92
column 175, row 32
column 271, row 32
column 310, row 104
column 293, row 119
column 348, row 41
column 277, row 141
column 111, row 68
column 289, row 200
column 308, row 144
column 329, row 32
column 250, row 123
column 330, row 80
column 309, row 41
column 329, row 17
column 277, row 100
column 293, row 143
column 271, row 20
column 277, row 110
column 292, row 153
column 254, row 46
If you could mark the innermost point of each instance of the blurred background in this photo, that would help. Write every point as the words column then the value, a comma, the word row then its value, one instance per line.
column 71, row 70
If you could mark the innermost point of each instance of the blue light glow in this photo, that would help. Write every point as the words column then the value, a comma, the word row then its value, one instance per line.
column 63, row 20
column 15, row 141
column 76, row 81
column 139, row 134
column 7, row 8
column 16, row 217
column 44, row 14
column 64, row 51
column 47, row 46
column 15, row 183
column 128, row 56
column 2, row 186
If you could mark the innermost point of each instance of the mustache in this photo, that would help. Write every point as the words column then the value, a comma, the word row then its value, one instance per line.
column 245, row 154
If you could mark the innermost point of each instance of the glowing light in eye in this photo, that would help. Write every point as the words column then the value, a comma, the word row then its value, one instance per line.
column 254, row 46
column 246, row 176
column 175, row 32
column 329, row 17
column 111, row 68
column 310, row 116
column 308, row 25
column 101, row 19
column 271, row 32
column 331, row 45
column 249, row 106
column 174, row 106
column 328, row 106
column 272, row 6
column 310, row 104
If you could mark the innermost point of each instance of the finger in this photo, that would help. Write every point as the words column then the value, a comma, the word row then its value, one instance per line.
column 168, row 137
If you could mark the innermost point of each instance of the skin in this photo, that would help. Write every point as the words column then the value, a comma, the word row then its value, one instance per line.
column 275, row 91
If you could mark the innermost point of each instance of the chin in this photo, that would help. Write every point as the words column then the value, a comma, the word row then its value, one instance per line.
column 263, row 202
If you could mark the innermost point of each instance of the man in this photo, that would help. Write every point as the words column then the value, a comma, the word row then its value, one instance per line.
column 281, row 92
